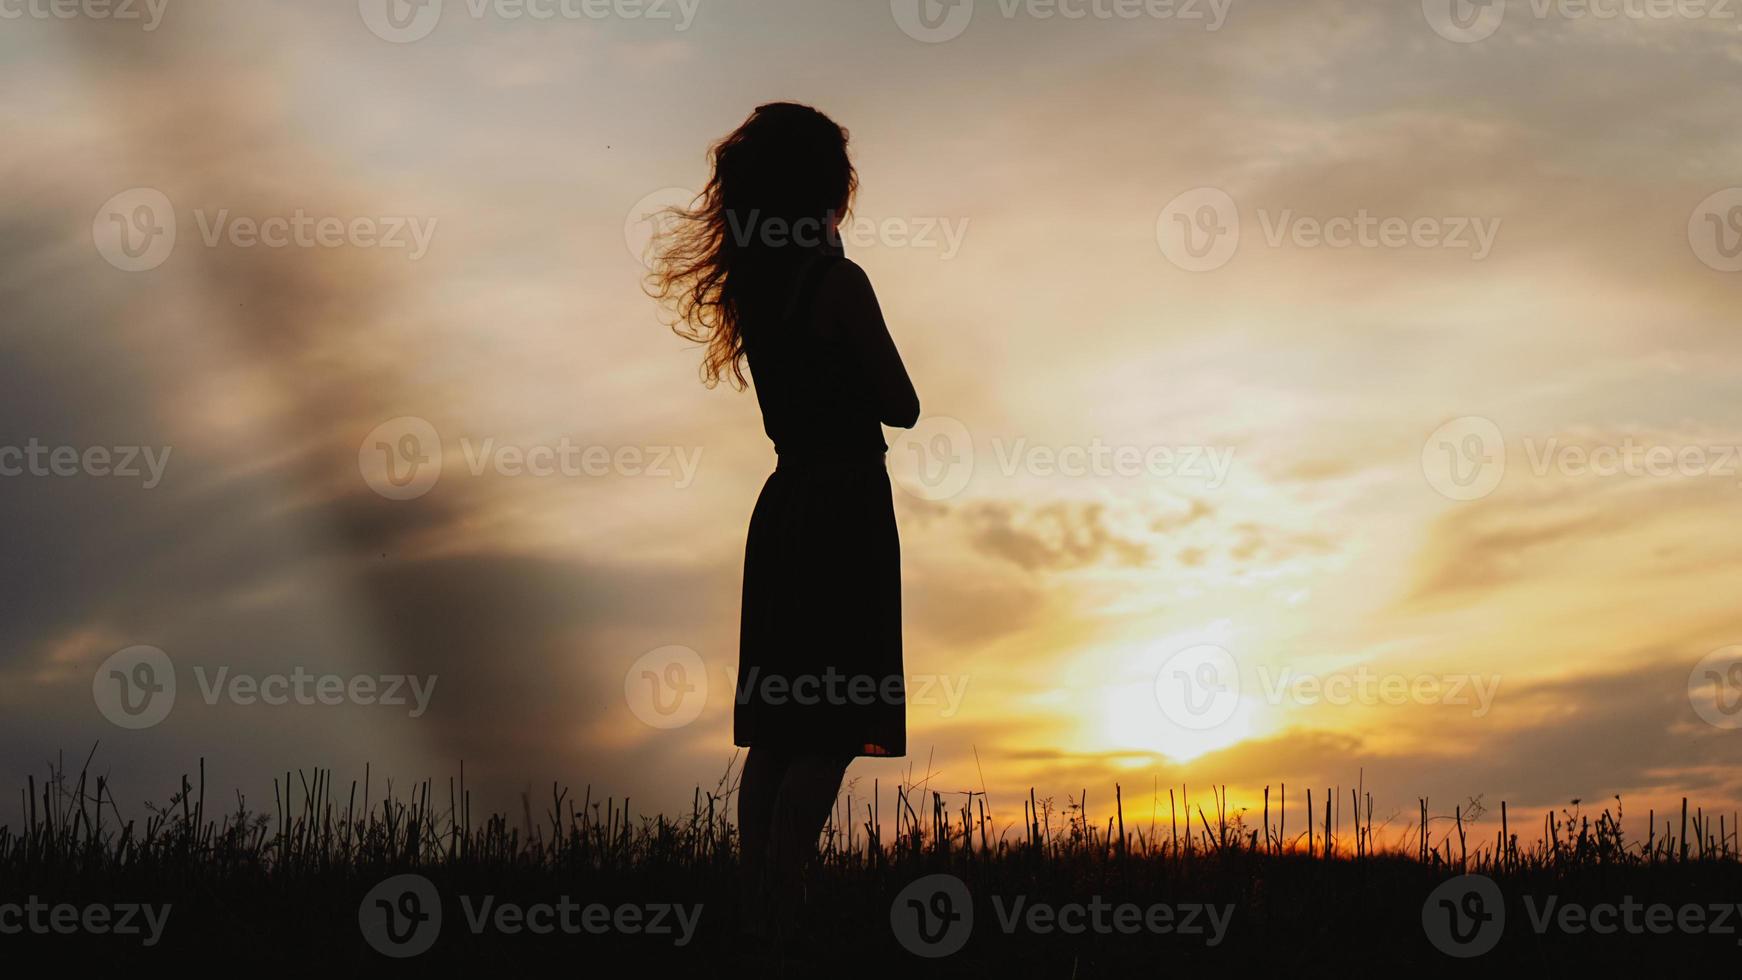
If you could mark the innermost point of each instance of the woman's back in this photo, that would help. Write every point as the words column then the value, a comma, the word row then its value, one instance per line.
column 826, row 373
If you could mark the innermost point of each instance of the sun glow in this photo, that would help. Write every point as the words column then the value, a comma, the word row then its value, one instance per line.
column 1130, row 717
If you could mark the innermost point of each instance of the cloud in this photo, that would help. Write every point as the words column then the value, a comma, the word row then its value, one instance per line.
column 1546, row 522
column 1057, row 536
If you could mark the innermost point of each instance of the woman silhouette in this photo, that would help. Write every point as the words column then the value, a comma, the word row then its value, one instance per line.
column 754, row 270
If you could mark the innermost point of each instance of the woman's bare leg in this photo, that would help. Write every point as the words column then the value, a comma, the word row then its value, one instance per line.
column 758, row 788
column 784, row 800
column 807, row 792
column 758, row 791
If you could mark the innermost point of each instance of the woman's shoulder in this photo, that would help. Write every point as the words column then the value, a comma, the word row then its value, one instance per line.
column 846, row 304
column 844, row 281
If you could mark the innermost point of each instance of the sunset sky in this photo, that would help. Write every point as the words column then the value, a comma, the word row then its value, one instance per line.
column 1567, row 281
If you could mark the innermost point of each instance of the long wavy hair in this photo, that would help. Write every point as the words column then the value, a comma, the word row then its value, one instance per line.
column 781, row 184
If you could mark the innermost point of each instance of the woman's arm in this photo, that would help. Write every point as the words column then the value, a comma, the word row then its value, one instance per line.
column 848, row 294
